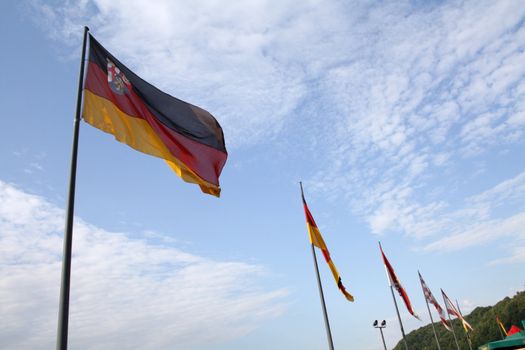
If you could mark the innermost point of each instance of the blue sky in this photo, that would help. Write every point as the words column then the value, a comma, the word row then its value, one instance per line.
column 404, row 120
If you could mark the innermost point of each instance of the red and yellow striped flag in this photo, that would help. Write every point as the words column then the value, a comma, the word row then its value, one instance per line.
column 317, row 240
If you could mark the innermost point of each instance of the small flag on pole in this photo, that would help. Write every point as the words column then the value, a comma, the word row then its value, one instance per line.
column 394, row 281
column 430, row 298
column 501, row 326
column 138, row 114
column 317, row 240
column 451, row 309
column 513, row 330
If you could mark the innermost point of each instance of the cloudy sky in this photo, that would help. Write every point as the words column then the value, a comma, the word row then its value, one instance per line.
column 404, row 120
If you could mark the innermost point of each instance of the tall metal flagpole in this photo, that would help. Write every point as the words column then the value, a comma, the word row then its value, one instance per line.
column 395, row 304
column 321, row 294
column 429, row 313
column 63, row 313
column 450, row 320
column 326, row 322
column 466, row 332
column 399, row 318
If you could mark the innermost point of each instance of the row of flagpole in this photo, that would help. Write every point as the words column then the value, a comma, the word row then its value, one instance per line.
column 120, row 85
column 316, row 240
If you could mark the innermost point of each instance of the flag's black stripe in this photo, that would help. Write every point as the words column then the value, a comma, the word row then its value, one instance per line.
column 180, row 116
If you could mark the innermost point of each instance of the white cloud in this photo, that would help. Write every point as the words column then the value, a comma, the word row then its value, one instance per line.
column 126, row 293
column 508, row 191
column 433, row 91
column 408, row 99
column 479, row 234
column 516, row 256
column 477, row 224
column 466, row 306
column 247, row 62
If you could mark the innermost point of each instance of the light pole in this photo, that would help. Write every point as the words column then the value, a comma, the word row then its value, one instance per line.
column 383, row 325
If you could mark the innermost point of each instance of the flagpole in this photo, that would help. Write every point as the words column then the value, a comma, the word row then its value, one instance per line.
column 63, row 313
column 321, row 294
column 466, row 332
column 399, row 318
column 432, row 322
column 395, row 304
column 450, row 320
column 325, row 313
column 429, row 313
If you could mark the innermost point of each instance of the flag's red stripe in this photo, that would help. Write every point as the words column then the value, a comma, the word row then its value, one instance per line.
column 430, row 298
column 326, row 254
column 129, row 103
column 391, row 272
column 404, row 295
column 309, row 218
column 451, row 309
column 205, row 161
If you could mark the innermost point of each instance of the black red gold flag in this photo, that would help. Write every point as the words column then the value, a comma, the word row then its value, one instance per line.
column 136, row 113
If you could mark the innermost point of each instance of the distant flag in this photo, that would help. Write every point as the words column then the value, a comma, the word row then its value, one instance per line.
column 317, row 240
column 465, row 326
column 513, row 330
column 501, row 326
column 430, row 298
column 451, row 309
column 138, row 114
column 394, row 281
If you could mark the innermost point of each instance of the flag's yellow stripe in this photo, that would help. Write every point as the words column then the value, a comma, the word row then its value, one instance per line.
column 317, row 240
column 466, row 325
column 335, row 273
column 315, row 237
column 348, row 296
column 138, row 134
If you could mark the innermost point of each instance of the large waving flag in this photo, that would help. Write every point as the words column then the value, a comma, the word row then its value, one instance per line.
column 317, row 240
column 430, row 298
column 451, row 309
column 394, row 281
column 138, row 114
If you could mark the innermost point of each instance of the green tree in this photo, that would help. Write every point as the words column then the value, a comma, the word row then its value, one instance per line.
column 511, row 311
